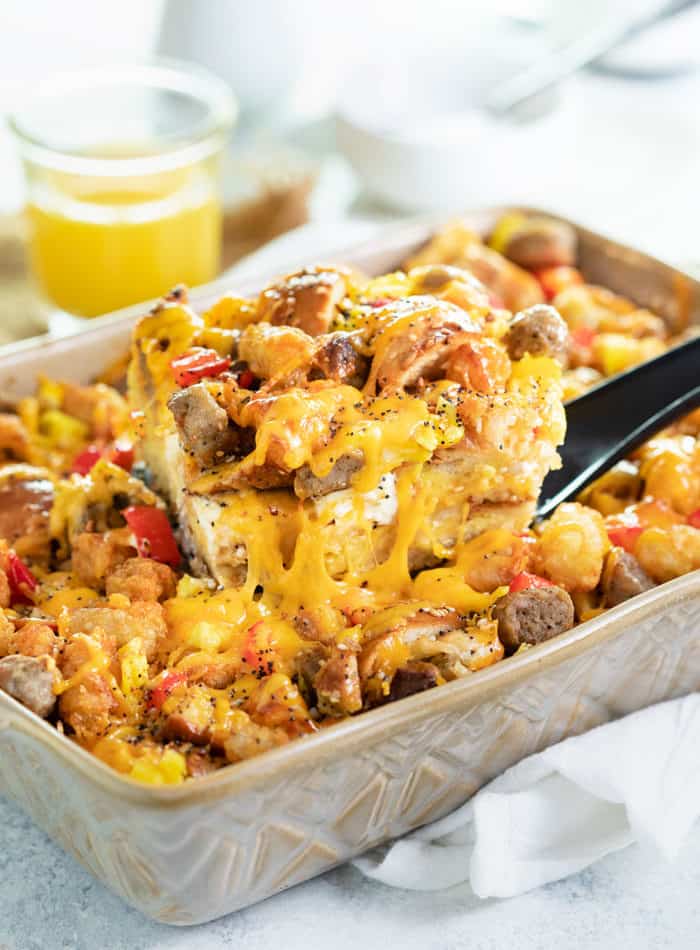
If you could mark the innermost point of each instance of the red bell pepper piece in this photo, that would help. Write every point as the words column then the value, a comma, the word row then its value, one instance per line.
column 198, row 363
column 160, row 693
column 524, row 581
column 22, row 581
column 381, row 302
column 123, row 455
column 555, row 279
column 584, row 336
column 84, row 461
column 154, row 536
column 694, row 518
column 246, row 379
column 624, row 535
column 257, row 651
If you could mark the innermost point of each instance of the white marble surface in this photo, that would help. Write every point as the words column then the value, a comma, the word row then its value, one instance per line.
column 629, row 901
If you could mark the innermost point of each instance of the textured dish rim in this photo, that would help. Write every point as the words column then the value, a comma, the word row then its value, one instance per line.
column 394, row 716
column 322, row 745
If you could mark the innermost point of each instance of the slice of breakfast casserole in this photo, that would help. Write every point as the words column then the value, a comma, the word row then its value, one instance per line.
column 363, row 429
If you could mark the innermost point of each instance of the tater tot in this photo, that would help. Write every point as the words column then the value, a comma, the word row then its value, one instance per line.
column 665, row 553
column 571, row 547
column 670, row 476
column 656, row 513
column 32, row 638
column 494, row 558
column 7, row 635
column 36, row 639
column 87, row 707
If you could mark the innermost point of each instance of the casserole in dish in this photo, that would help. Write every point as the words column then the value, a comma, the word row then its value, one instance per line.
column 338, row 807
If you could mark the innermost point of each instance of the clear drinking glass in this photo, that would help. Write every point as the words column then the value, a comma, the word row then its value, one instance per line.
column 121, row 168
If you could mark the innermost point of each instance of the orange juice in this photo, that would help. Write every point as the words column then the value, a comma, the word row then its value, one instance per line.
column 98, row 246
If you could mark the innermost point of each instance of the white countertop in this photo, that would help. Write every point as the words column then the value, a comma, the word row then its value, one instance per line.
column 630, row 901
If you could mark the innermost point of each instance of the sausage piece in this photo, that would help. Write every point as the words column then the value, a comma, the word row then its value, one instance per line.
column 533, row 616
column 541, row 242
column 539, row 331
column 623, row 577
column 204, row 426
column 414, row 677
column 308, row 485
column 29, row 680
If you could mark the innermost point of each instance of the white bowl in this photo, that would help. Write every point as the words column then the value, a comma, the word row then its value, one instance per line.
column 410, row 127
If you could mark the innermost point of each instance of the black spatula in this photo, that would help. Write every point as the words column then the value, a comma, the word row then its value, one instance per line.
column 607, row 423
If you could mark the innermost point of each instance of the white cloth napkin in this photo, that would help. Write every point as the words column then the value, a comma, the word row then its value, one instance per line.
column 554, row 813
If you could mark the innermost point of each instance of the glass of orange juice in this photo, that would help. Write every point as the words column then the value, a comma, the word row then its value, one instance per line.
column 121, row 167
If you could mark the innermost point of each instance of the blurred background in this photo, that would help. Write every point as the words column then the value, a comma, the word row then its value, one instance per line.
column 349, row 116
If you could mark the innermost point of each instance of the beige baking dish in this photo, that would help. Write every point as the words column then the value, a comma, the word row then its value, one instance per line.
column 190, row 853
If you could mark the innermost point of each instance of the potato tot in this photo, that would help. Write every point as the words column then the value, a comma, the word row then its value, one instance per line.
column 88, row 707
column 494, row 558
column 665, row 553
column 670, row 476
column 572, row 547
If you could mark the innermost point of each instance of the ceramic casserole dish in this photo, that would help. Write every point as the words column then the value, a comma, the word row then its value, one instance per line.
column 190, row 853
